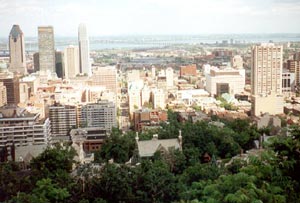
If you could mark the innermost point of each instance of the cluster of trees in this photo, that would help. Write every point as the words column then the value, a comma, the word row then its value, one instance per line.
column 184, row 176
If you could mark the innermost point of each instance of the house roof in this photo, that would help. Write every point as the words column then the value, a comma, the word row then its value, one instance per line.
column 26, row 153
column 147, row 148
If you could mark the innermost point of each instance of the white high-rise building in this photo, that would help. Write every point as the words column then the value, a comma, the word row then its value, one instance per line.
column 71, row 59
column 84, row 50
column 17, row 50
column 145, row 95
column 158, row 99
column 170, row 77
column 153, row 74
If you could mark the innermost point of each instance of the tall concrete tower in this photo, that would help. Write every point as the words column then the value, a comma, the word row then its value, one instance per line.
column 84, row 50
column 17, row 50
column 46, row 49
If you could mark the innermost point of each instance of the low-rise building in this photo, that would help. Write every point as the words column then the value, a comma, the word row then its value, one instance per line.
column 228, row 80
column 100, row 114
column 20, row 128
column 146, row 117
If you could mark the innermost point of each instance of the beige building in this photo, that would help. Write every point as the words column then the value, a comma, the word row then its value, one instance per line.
column 71, row 59
column 266, row 69
column 105, row 77
column 294, row 67
column 134, row 99
column 17, row 50
column 170, row 77
column 133, row 75
column 237, row 62
column 272, row 104
column 226, row 80
column 24, row 93
column 266, row 79
column 158, row 99
column 46, row 49
column 32, row 82
column 3, row 98
column 145, row 95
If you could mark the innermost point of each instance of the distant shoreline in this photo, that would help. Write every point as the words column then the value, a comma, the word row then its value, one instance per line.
column 156, row 41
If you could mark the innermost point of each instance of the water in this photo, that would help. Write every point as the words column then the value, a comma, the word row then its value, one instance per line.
column 134, row 42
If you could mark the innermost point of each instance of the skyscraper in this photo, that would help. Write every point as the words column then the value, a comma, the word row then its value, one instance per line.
column 84, row 50
column 266, row 79
column 17, row 50
column 46, row 49
column 71, row 59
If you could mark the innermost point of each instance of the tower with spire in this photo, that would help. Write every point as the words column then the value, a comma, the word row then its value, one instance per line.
column 17, row 51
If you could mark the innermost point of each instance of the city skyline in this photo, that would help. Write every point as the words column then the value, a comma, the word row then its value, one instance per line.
column 152, row 16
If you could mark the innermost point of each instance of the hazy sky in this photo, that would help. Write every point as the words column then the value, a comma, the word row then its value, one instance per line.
column 118, row 17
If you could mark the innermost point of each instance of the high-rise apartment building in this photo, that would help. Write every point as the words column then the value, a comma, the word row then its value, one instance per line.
column 266, row 69
column 266, row 79
column 63, row 118
column 100, row 114
column 46, row 49
column 17, row 50
column 84, row 50
column 71, row 59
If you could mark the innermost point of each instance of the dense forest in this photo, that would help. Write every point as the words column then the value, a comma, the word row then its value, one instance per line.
column 269, row 175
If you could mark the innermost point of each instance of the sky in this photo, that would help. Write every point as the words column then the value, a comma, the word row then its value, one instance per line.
column 151, row 17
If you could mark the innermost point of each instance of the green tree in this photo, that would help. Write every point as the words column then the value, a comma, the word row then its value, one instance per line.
column 118, row 147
